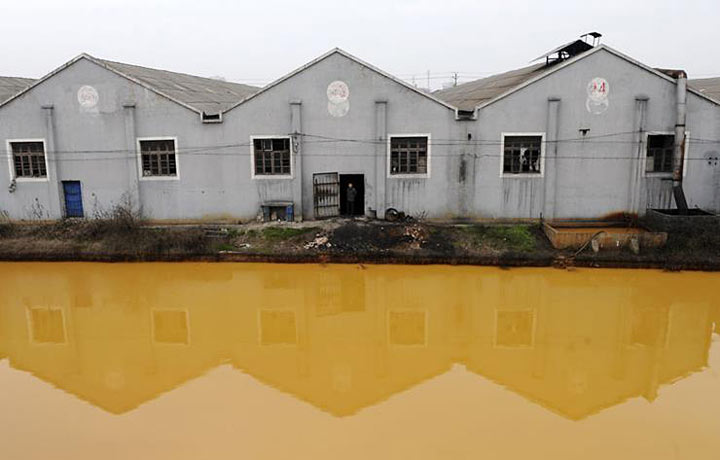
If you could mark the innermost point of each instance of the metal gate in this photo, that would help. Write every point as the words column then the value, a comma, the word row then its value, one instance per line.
column 326, row 194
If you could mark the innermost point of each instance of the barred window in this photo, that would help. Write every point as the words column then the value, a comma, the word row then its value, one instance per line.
column 660, row 149
column 521, row 154
column 158, row 157
column 29, row 159
column 272, row 156
column 408, row 155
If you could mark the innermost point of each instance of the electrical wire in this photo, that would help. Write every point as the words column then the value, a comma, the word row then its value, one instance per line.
column 238, row 149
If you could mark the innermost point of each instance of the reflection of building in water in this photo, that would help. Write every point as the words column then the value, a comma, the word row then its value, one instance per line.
column 593, row 347
column 344, row 338
column 46, row 325
column 170, row 326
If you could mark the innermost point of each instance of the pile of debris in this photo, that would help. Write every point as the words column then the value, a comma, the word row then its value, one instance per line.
column 416, row 235
column 321, row 241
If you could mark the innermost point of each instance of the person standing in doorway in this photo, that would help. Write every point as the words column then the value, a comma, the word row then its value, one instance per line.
column 350, row 196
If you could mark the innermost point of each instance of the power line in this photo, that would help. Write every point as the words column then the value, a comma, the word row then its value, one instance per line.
column 310, row 139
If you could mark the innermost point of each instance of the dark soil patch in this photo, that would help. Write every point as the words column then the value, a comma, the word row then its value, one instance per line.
column 124, row 238
column 367, row 237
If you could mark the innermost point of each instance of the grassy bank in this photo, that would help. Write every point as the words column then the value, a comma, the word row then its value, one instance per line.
column 121, row 236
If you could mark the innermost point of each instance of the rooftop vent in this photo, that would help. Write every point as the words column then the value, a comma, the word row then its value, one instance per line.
column 592, row 36
column 573, row 48
column 211, row 117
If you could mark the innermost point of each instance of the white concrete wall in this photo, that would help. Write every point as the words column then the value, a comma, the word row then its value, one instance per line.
column 593, row 177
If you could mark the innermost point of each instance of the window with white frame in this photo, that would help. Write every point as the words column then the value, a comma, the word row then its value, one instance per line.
column 522, row 154
column 272, row 156
column 660, row 150
column 29, row 159
column 158, row 157
column 408, row 155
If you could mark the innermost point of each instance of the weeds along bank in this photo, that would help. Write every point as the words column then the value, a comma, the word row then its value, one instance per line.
column 120, row 235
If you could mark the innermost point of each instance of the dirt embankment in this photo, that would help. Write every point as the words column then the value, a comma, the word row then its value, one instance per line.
column 122, row 237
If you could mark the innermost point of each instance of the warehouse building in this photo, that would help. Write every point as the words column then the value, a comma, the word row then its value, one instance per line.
column 585, row 132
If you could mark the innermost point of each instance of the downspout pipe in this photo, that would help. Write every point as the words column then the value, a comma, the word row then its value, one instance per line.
column 679, row 152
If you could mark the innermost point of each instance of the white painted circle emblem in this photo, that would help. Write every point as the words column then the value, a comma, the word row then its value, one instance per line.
column 598, row 89
column 338, row 92
column 87, row 97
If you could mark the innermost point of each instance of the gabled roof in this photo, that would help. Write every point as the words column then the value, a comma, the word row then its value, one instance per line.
column 707, row 86
column 199, row 94
column 480, row 93
column 354, row 59
column 10, row 86
column 470, row 95
column 207, row 95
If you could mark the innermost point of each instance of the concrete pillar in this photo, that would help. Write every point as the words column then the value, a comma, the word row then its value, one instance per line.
column 551, row 151
column 380, row 157
column 297, row 146
column 637, row 154
column 134, row 199
column 56, row 207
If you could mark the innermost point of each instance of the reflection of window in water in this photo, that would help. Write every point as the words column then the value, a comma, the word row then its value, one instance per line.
column 514, row 328
column 171, row 326
column 407, row 327
column 47, row 325
column 278, row 327
column 646, row 324
column 337, row 295
column 280, row 280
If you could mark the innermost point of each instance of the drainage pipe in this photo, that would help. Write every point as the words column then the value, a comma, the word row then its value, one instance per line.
column 679, row 152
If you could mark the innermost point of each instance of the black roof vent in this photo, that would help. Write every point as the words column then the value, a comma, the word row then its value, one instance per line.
column 573, row 48
column 594, row 36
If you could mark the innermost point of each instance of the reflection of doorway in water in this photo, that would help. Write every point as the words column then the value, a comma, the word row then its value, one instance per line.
column 358, row 182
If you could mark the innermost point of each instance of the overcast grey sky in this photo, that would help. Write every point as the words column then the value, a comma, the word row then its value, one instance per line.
column 259, row 41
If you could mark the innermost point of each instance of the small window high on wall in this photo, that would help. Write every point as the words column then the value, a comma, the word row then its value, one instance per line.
column 29, row 159
column 522, row 154
column 158, row 158
column 660, row 150
column 272, row 156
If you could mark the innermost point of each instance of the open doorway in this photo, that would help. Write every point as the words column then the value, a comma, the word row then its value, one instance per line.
column 357, row 206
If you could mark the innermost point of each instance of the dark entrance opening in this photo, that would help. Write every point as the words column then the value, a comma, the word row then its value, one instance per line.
column 358, row 182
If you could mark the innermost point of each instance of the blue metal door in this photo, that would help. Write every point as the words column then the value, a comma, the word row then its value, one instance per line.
column 73, row 198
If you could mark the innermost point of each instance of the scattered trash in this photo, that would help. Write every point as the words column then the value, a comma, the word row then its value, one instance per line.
column 393, row 215
column 417, row 235
column 321, row 241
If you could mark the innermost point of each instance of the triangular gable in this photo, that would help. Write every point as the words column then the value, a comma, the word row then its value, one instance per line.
column 354, row 59
column 580, row 57
column 105, row 66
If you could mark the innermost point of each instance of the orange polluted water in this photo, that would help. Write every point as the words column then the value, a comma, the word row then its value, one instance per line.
column 256, row 361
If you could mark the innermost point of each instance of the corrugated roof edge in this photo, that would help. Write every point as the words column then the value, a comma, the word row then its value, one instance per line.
column 18, row 78
column 352, row 58
column 580, row 57
column 25, row 80
column 104, row 65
